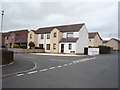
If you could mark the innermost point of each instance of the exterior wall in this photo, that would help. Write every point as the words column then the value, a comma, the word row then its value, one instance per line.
column 93, row 51
column 43, row 41
column 11, row 40
column 66, row 47
column 33, row 39
column 75, row 34
column 113, row 43
column 55, row 40
column 82, row 42
column 6, row 41
column 96, row 41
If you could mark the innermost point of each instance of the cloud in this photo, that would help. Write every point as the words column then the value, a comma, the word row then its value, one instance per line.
column 101, row 17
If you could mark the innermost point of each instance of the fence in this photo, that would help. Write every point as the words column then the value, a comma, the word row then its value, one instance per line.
column 7, row 56
column 15, row 50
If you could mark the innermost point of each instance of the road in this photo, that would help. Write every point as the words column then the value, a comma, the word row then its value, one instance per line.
column 67, row 72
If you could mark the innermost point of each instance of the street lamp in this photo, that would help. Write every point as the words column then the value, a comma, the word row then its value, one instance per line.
column 2, row 21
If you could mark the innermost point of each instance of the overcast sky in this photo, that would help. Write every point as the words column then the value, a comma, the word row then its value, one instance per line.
column 99, row 17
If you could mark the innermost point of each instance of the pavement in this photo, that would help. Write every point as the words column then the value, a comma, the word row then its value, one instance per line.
column 18, row 66
column 99, row 71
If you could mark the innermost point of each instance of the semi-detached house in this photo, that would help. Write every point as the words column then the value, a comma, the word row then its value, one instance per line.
column 61, row 39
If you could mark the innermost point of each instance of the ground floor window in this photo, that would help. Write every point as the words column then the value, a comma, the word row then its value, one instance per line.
column 70, row 46
column 48, row 46
column 72, row 51
column 54, row 46
column 41, row 46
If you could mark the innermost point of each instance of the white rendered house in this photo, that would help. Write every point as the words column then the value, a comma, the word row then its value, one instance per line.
column 63, row 39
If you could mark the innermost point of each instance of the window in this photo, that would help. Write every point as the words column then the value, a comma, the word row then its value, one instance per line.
column 30, row 35
column 55, row 34
column 41, row 46
column 70, row 35
column 54, row 46
column 42, row 36
column 6, row 38
column 70, row 46
column 48, row 36
column 48, row 46
column 72, row 51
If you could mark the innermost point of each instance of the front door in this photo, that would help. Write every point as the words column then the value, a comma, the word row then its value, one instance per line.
column 62, row 48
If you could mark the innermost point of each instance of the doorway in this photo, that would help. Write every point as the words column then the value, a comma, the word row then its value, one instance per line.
column 62, row 48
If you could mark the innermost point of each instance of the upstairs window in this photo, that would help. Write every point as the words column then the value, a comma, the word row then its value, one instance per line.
column 42, row 36
column 48, row 36
column 30, row 35
column 55, row 34
column 70, row 35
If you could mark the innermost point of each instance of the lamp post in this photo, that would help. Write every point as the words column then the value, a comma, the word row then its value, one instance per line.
column 2, row 21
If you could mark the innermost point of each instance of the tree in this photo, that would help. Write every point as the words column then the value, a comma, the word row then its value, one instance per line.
column 31, row 44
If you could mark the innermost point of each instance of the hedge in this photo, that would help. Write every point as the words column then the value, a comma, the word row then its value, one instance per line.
column 104, row 49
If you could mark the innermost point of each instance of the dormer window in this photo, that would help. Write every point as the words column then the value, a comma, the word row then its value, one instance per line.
column 55, row 34
column 30, row 35
column 70, row 35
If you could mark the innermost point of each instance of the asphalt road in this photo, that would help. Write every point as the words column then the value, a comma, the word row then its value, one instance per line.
column 67, row 72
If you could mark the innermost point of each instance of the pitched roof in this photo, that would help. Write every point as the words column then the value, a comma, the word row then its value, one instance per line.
column 105, row 41
column 93, row 34
column 63, row 28
column 69, row 40
column 22, row 39
column 18, row 31
column 115, row 40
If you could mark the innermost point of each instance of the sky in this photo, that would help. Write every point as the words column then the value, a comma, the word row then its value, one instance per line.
column 99, row 17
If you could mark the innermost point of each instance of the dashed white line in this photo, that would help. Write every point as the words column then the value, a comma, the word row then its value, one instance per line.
column 32, row 72
column 59, row 66
column 70, row 63
column 43, row 70
column 65, row 65
column 19, row 75
column 52, row 68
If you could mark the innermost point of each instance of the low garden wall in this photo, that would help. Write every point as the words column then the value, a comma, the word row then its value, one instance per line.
column 6, row 56
column 16, row 50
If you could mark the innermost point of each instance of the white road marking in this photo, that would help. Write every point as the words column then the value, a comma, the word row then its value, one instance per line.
column 32, row 72
column 59, row 66
column 43, row 70
column 52, row 68
column 20, row 74
column 70, row 63
column 74, row 62
column 65, row 65
column 60, row 60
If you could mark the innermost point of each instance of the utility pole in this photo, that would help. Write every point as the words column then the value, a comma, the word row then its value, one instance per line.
column 1, row 29
column 2, row 21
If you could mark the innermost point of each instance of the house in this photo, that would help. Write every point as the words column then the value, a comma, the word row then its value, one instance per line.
column 113, row 43
column 32, row 37
column 94, row 39
column 61, row 39
column 13, row 37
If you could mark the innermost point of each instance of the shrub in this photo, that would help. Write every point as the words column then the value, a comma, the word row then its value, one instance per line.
column 24, row 46
column 104, row 49
column 32, row 45
column 16, row 46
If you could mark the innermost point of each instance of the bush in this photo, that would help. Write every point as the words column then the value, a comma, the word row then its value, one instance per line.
column 104, row 49
column 32, row 45
column 24, row 46
column 16, row 46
